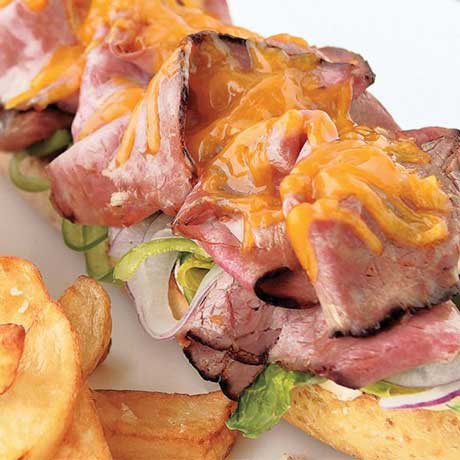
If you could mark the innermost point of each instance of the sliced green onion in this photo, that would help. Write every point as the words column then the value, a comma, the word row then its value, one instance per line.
column 98, row 264
column 60, row 140
column 384, row 389
column 23, row 182
column 80, row 238
column 92, row 240
column 132, row 260
column 190, row 274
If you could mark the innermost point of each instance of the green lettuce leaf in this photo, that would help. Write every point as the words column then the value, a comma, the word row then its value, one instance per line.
column 383, row 389
column 262, row 404
column 455, row 406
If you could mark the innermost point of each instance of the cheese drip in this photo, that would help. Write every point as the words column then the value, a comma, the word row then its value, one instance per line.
column 243, row 179
column 60, row 78
column 232, row 87
column 408, row 209
column 130, row 26
column 230, row 92
column 116, row 105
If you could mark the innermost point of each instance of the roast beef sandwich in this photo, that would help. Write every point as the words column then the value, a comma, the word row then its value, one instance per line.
column 258, row 203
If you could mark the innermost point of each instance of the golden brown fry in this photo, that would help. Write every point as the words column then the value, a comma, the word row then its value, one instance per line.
column 85, row 439
column 144, row 426
column 37, row 409
column 87, row 306
column 11, row 348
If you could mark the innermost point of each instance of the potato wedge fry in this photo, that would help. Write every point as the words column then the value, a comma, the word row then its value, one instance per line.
column 85, row 439
column 144, row 426
column 87, row 306
column 37, row 409
column 11, row 348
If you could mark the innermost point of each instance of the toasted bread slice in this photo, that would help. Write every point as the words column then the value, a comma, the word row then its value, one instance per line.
column 362, row 429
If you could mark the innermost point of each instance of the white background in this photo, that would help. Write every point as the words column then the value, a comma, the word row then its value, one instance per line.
column 414, row 48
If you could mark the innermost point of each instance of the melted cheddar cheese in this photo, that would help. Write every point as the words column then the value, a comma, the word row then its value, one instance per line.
column 243, row 179
column 228, row 95
column 232, row 86
column 130, row 26
column 116, row 105
column 358, row 163
column 34, row 5
column 408, row 209
column 59, row 79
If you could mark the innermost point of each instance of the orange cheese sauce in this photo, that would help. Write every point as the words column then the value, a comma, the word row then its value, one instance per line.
column 61, row 76
column 132, row 25
column 160, row 25
column 408, row 209
column 358, row 162
column 59, row 79
column 227, row 95
column 116, row 105
column 34, row 5
column 242, row 179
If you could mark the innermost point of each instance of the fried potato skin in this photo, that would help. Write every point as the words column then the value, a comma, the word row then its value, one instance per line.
column 11, row 348
column 48, row 379
column 87, row 306
column 85, row 438
column 362, row 429
column 142, row 425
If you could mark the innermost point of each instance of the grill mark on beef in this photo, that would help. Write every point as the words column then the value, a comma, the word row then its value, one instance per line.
column 300, row 340
column 217, row 366
column 243, row 356
column 397, row 313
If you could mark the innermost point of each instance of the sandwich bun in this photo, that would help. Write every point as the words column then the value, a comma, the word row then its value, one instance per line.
column 362, row 429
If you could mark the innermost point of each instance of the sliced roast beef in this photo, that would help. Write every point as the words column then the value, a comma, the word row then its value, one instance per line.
column 233, row 325
column 19, row 130
column 218, row 9
column 28, row 40
column 105, row 74
column 362, row 73
column 359, row 290
column 217, row 366
column 233, row 320
column 365, row 109
column 270, row 266
column 368, row 111
column 88, row 185
column 426, row 337
column 154, row 33
column 161, row 180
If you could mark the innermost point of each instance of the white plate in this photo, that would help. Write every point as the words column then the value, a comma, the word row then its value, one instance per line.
column 413, row 47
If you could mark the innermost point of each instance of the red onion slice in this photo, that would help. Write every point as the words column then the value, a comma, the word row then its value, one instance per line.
column 425, row 399
column 429, row 375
